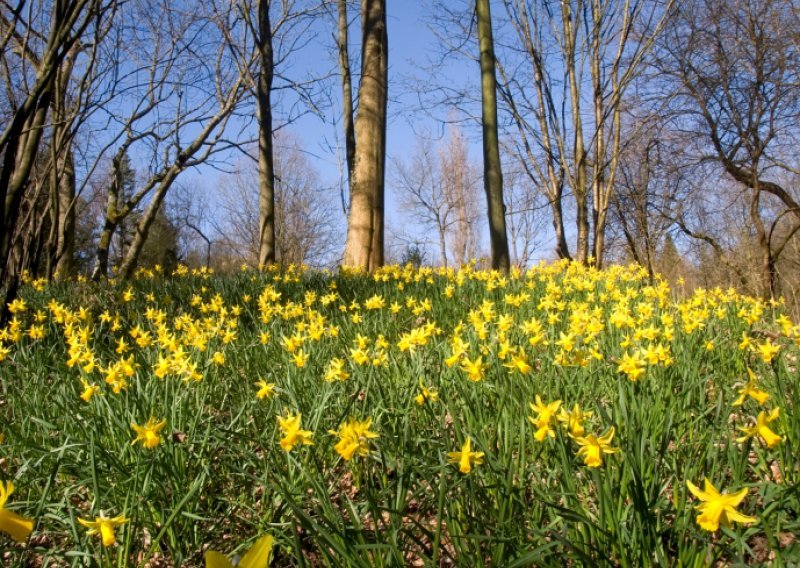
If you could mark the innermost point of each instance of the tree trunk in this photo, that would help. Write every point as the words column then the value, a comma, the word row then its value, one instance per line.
column 492, row 171
column 64, row 172
column 364, row 247
column 562, row 248
column 128, row 265
column 266, row 164
column 347, row 90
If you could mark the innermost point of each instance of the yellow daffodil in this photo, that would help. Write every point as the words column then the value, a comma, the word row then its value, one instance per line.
column 300, row 358
column 750, row 389
column 762, row 429
column 265, row 389
column 519, row 364
column 11, row 523
column 104, row 526
column 149, row 433
column 354, row 437
column 474, row 369
column 632, row 366
column 293, row 434
column 465, row 458
column 718, row 508
column 257, row 557
column 89, row 390
column 768, row 350
column 592, row 448
column 426, row 394
column 573, row 420
column 336, row 371
column 545, row 413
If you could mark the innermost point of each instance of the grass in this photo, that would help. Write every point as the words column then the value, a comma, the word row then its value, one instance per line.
column 219, row 478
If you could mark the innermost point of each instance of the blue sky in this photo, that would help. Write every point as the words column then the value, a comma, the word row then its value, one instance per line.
column 411, row 43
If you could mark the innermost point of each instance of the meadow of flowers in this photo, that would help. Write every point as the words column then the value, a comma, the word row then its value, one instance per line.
column 421, row 417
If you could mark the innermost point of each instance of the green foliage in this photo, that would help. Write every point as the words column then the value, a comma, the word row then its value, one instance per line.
column 220, row 479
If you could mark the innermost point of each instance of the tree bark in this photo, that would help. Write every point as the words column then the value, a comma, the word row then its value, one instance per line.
column 266, row 163
column 347, row 89
column 492, row 171
column 364, row 247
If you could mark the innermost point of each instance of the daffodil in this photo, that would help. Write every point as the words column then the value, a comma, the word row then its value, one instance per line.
column 293, row 434
column 573, row 419
column 425, row 394
column 545, row 413
column 768, row 350
column 474, row 369
column 149, row 433
column 17, row 526
column 465, row 458
column 354, row 437
column 104, row 526
column 762, row 429
column 257, row 557
column 519, row 364
column 592, row 448
column 89, row 390
column 336, row 371
column 300, row 358
column 750, row 389
column 718, row 508
column 265, row 389
column 632, row 366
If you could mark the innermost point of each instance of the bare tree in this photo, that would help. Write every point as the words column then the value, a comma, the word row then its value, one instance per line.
column 41, row 44
column 460, row 180
column 307, row 229
column 559, row 58
column 526, row 209
column 734, row 68
column 176, row 121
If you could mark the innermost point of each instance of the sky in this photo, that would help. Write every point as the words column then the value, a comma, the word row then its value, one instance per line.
column 411, row 43
column 412, row 47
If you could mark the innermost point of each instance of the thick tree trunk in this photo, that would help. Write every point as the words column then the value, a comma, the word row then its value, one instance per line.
column 266, row 164
column 492, row 170
column 364, row 247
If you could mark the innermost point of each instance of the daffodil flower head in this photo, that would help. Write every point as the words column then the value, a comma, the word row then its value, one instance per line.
column 293, row 434
column 762, row 429
column 104, row 526
column 149, row 433
column 592, row 448
column 543, row 420
column 354, row 437
column 574, row 419
column 11, row 523
column 258, row 556
column 750, row 389
column 718, row 508
column 465, row 458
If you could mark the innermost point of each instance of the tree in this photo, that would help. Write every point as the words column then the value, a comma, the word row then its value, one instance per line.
column 560, row 58
column 732, row 70
column 439, row 188
column 365, row 230
column 43, row 39
column 175, row 120
column 306, row 225
column 492, row 169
